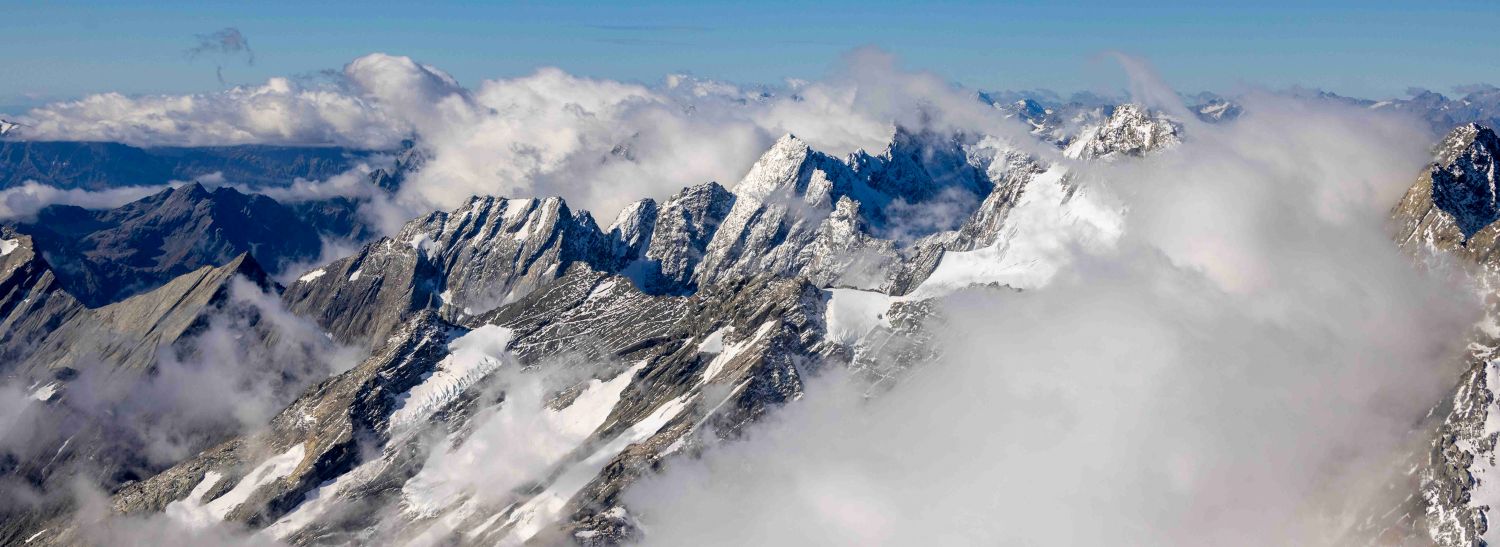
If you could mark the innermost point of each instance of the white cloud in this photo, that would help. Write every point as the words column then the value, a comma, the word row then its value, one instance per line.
column 280, row 112
column 598, row 143
column 25, row 201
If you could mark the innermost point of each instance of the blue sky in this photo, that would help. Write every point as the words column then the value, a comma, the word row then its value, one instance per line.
column 1372, row 49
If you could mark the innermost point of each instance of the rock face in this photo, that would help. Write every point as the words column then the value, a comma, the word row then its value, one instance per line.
column 33, row 302
column 485, row 253
column 1452, row 206
column 346, row 460
column 800, row 212
column 797, row 212
column 927, row 181
column 1463, row 178
column 684, row 226
column 105, row 256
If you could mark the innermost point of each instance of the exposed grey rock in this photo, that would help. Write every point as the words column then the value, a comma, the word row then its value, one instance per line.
column 790, row 197
column 684, row 226
column 633, row 228
column 1451, row 207
column 32, row 301
column 341, row 436
column 1463, row 178
column 88, row 370
column 128, row 334
column 485, row 253
column 929, row 181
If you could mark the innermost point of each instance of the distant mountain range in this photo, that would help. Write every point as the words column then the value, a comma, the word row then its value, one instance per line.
column 101, row 165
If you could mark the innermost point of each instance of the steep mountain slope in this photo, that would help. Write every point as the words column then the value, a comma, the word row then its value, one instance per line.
column 1450, row 212
column 84, row 368
column 33, row 302
column 349, row 459
column 663, row 244
column 486, row 253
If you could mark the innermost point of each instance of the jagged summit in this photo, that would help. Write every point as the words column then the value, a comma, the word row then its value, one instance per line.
column 484, row 253
column 1130, row 130
column 921, row 166
column 1463, row 177
column 1453, row 204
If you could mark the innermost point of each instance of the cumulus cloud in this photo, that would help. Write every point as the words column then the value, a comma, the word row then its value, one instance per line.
column 281, row 111
column 1242, row 367
column 598, row 143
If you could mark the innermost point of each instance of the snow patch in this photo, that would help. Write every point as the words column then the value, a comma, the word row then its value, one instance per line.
column 734, row 350
column 311, row 275
column 317, row 502
column 45, row 393
column 714, row 342
column 8, row 246
column 1485, row 471
column 550, row 436
column 853, row 313
column 602, row 288
column 589, row 410
column 514, row 208
column 193, row 512
column 471, row 357
column 355, row 276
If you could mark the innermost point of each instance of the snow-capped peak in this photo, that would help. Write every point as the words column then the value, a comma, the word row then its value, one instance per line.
column 1131, row 130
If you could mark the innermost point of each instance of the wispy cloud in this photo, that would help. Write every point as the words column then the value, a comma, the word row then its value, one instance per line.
column 224, row 44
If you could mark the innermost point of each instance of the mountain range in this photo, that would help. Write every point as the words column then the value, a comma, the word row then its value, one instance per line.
column 677, row 325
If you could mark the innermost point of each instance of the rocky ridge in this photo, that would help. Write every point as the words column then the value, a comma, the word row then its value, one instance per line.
column 681, row 323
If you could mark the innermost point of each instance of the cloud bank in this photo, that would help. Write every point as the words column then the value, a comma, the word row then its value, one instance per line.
column 1241, row 367
column 598, row 143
